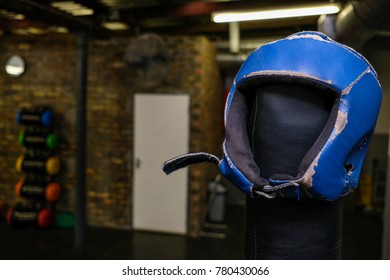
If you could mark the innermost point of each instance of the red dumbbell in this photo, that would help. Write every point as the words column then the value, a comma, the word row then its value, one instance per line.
column 25, row 217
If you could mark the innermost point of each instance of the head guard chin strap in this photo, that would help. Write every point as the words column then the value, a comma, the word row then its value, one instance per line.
column 331, row 167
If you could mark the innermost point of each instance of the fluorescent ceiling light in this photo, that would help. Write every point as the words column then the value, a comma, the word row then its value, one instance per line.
column 82, row 12
column 115, row 25
column 73, row 8
column 10, row 15
column 19, row 16
column 61, row 29
column 220, row 17
column 35, row 30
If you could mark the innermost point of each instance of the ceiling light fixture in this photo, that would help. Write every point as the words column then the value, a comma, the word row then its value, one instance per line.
column 234, row 16
column 115, row 25
column 73, row 8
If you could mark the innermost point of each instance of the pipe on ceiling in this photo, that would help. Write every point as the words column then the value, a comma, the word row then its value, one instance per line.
column 358, row 21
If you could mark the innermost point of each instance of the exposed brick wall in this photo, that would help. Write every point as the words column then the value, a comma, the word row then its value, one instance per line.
column 51, row 78
column 109, row 136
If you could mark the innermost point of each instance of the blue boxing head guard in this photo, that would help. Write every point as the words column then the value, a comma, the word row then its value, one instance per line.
column 330, row 167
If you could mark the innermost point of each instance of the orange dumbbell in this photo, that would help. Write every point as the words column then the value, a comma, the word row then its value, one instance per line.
column 38, row 187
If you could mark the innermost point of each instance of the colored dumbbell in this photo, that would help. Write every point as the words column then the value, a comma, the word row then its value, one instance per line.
column 31, row 139
column 26, row 217
column 45, row 165
column 38, row 188
column 39, row 116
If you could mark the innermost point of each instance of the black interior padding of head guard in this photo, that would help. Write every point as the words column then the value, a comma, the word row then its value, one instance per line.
column 287, row 124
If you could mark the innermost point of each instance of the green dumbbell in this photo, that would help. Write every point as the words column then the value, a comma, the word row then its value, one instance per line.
column 31, row 139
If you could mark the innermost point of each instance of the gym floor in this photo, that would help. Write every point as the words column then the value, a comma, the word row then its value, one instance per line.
column 361, row 240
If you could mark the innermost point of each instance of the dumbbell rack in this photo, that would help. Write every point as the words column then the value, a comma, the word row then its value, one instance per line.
column 37, row 191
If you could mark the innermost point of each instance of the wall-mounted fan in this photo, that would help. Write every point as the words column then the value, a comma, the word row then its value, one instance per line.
column 147, row 61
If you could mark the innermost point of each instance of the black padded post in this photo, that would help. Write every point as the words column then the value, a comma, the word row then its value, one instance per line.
column 284, row 122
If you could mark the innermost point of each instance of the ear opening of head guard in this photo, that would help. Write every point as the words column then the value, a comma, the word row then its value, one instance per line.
column 311, row 59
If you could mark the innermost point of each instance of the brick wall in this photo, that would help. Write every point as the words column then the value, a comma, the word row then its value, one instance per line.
column 50, row 79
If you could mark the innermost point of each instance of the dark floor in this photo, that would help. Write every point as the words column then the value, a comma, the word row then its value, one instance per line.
column 361, row 240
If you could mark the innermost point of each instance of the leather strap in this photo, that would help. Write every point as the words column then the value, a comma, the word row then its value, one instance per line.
column 184, row 160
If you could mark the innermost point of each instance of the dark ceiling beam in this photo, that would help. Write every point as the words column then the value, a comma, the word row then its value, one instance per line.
column 185, row 15
column 38, row 11
column 197, row 8
column 23, row 24
column 253, row 27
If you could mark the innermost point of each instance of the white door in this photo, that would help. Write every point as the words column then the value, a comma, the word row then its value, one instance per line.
column 161, row 131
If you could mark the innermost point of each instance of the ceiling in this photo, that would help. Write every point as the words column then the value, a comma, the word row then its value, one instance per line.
column 139, row 16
